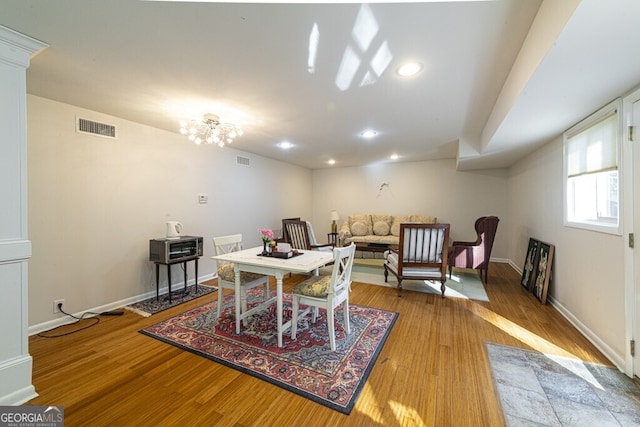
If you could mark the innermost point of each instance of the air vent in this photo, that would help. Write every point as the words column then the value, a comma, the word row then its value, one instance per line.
column 243, row 161
column 95, row 128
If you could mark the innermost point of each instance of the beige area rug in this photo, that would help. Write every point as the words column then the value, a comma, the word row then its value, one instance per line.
column 463, row 283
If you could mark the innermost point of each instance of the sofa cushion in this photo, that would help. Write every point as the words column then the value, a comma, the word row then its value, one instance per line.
column 395, row 224
column 359, row 229
column 389, row 239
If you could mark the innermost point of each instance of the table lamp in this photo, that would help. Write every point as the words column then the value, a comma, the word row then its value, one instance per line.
column 334, row 218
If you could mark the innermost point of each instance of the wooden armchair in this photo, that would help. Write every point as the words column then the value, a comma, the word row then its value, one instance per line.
column 421, row 254
column 476, row 254
column 299, row 234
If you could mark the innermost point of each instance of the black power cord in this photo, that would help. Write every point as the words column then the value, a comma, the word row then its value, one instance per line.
column 95, row 320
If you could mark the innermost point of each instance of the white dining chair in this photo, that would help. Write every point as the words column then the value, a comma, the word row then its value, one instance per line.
column 327, row 292
column 226, row 274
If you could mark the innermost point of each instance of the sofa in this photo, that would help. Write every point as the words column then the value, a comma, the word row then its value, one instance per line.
column 377, row 228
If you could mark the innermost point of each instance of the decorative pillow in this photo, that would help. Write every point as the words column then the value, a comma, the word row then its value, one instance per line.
column 381, row 228
column 426, row 219
column 358, row 229
column 395, row 225
column 364, row 219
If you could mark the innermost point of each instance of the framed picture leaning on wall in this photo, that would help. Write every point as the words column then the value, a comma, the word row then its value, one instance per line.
column 543, row 267
column 529, row 270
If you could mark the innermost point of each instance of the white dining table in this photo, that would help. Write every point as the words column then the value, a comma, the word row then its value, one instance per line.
column 250, row 260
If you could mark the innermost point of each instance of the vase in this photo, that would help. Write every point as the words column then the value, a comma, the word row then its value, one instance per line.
column 264, row 248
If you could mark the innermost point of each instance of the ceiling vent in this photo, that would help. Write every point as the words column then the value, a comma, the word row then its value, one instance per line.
column 243, row 161
column 95, row 128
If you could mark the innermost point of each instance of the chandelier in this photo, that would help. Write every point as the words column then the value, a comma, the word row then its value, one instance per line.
column 210, row 130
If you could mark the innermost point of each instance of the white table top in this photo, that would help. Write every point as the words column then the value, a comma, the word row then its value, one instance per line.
column 308, row 261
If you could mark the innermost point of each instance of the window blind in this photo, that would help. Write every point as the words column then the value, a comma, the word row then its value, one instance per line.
column 595, row 148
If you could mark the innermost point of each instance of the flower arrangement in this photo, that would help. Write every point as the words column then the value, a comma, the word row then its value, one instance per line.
column 266, row 235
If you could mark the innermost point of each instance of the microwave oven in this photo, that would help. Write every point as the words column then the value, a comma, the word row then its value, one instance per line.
column 169, row 251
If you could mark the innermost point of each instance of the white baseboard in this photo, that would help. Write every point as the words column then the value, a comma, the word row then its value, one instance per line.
column 41, row 327
column 16, row 387
column 604, row 348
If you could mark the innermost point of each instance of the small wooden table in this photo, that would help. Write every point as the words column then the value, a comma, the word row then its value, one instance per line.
column 375, row 247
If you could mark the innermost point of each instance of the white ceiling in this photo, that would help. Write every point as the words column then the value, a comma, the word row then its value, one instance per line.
column 500, row 77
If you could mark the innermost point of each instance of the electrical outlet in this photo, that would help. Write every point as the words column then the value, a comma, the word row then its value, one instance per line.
column 55, row 305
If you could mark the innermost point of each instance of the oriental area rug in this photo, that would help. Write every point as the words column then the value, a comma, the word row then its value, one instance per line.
column 306, row 366
column 536, row 389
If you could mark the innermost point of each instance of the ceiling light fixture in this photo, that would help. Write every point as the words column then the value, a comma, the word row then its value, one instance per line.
column 210, row 130
column 394, row 157
column 368, row 133
column 331, row 162
column 409, row 69
column 285, row 145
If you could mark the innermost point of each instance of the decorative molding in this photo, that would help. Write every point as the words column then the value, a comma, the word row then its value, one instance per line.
column 16, row 48
column 14, row 251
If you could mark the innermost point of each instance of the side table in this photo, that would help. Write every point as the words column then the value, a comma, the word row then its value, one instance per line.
column 332, row 238
column 184, row 267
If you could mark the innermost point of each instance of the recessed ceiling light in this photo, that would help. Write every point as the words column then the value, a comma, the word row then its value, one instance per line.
column 331, row 162
column 285, row 145
column 368, row 133
column 394, row 157
column 409, row 69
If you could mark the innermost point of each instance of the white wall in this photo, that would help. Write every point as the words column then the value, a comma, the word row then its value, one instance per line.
column 94, row 203
column 429, row 188
column 588, row 279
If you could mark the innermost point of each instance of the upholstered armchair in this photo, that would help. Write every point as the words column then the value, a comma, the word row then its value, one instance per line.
column 421, row 254
column 475, row 254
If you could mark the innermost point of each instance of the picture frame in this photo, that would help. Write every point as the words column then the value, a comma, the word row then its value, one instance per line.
column 530, row 263
column 544, row 266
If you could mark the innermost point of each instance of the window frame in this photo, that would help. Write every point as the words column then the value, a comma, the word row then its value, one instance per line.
column 614, row 107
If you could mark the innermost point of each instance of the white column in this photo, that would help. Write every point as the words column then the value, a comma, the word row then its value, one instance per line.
column 15, row 247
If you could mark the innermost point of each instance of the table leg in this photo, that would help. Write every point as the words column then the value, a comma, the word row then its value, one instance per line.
column 157, row 281
column 279, row 305
column 196, row 288
column 169, row 280
column 184, row 266
column 237, row 298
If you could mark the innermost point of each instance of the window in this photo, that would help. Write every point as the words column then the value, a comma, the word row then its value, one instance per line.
column 591, row 173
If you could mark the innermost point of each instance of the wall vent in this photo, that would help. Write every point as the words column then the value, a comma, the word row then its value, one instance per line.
column 243, row 161
column 95, row 128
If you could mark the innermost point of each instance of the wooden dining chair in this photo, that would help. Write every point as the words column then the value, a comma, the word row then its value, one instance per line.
column 300, row 236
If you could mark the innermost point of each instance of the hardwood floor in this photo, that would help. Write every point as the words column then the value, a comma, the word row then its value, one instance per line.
column 433, row 370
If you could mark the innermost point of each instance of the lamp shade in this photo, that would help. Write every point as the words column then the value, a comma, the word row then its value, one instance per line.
column 334, row 215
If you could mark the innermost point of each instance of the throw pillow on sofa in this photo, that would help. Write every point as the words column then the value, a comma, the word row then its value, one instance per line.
column 381, row 224
column 364, row 219
column 381, row 228
column 358, row 229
